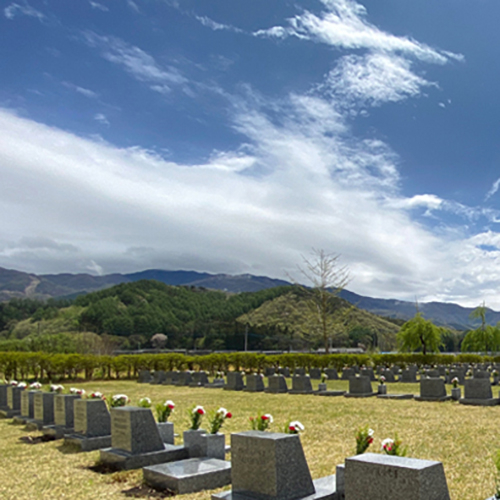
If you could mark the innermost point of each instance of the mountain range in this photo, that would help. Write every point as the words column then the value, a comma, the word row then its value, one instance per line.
column 18, row 284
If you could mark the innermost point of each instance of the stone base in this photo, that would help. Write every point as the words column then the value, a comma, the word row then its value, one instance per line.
column 284, row 391
column 88, row 443
column 189, row 476
column 291, row 391
column 324, row 486
column 479, row 402
column 395, row 396
column 366, row 395
column 329, row 393
column 123, row 460
column 214, row 386
column 421, row 398
column 253, row 390
column 20, row 420
column 56, row 431
column 9, row 413
column 34, row 425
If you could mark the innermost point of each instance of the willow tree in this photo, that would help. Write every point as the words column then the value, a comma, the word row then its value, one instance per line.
column 327, row 277
column 486, row 338
column 419, row 334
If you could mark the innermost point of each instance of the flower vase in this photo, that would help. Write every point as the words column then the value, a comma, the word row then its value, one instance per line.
column 322, row 387
column 496, row 379
column 215, row 446
column 382, row 389
column 456, row 393
column 194, row 442
column 166, row 430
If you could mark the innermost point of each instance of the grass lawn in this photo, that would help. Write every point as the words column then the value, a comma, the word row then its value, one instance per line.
column 464, row 438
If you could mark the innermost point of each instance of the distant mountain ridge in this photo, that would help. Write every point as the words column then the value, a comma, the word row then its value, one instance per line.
column 17, row 284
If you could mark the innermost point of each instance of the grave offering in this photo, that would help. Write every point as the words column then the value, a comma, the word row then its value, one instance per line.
column 27, row 407
column 276, row 384
column 43, row 414
column 432, row 389
column 92, row 426
column 301, row 384
column 388, row 374
column 381, row 477
column 477, row 392
column 272, row 466
column 136, row 442
column 144, row 377
column 234, row 382
column 63, row 416
column 255, row 383
column 360, row 387
column 189, row 476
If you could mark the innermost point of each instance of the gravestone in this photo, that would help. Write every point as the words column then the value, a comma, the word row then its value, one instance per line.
column 92, row 425
column 276, row 384
column 136, row 442
column 381, row 477
column 315, row 373
column 332, row 374
column 268, row 371
column 348, row 373
column 199, row 379
column 255, row 383
column 432, row 373
column 27, row 407
column 284, row 371
column 460, row 374
column 3, row 397
column 481, row 374
column 368, row 372
column 388, row 374
column 477, row 392
column 63, row 416
column 432, row 389
column 189, row 476
column 43, row 412
column 144, row 377
column 185, row 378
column 159, row 377
column 299, row 371
column 301, row 384
column 13, row 401
column 171, row 378
column 408, row 376
column 272, row 466
column 360, row 387
column 234, row 382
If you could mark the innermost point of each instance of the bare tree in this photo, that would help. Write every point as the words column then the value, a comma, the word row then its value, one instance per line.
column 327, row 277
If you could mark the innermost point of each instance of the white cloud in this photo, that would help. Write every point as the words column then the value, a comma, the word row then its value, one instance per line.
column 133, row 6
column 24, row 9
column 493, row 190
column 137, row 62
column 81, row 90
column 343, row 25
column 214, row 25
column 102, row 119
column 374, row 79
column 99, row 6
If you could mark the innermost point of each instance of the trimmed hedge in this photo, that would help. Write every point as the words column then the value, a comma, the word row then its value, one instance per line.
column 38, row 365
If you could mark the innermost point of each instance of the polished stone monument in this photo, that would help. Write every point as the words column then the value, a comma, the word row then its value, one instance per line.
column 360, row 387
column 432, row 389
column 63, row 416
column 477, row 392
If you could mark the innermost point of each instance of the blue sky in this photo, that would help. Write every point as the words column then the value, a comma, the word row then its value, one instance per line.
column 232, row 136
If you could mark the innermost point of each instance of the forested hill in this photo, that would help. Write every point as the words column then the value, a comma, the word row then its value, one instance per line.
column 131, row 313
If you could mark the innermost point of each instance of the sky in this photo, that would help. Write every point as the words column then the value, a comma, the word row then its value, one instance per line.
column 232, row 136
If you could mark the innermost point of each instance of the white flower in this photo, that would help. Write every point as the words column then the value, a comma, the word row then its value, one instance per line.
column 146, row 400
column 170, row 404
column 22, row 385
column 222, row 411
column 371, row 432
column 268, row 417
column 297, row 426
column 36, row 385
column 96, row 395
column 199, row 409
column 73, row 390
column 13, row 382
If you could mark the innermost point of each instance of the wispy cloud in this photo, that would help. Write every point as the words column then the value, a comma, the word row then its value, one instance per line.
column 493, row 190
column 102, row 119
column 213, row 25
column 24, row 9
column 343, row 25
column 141, row 65
column 133, row 6
column 99, row 6
column 81, row 90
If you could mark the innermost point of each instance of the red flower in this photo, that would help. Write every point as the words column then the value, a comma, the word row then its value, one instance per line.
column 370, row 440
column 291, row 428
column 200, row 411
column 264, row 417
column 229, row 415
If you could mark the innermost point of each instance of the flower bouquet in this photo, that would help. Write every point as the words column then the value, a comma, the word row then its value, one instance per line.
column 36, row 386
column 74, row 390
column 294, row 427
column 216, row 419
column 455, row 382
column 393, row 447
column 364, row 438
column 261, row 422
column 57, row 388
column 119, row 400
column 164, row 410
column 195, row 416
column 144, row 403
column 96, row 395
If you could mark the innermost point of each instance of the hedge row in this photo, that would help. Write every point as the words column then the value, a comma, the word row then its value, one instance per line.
column 36, row 365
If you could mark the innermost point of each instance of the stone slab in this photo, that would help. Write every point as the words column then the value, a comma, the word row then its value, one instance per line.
column 276, row 384
column 329, row 393
column 92, row 418
column 88, row 443
column 479, row 402
column 189, row 476
column 395, row 396
column 122, row 460
column 381, row 477
column 325, row 489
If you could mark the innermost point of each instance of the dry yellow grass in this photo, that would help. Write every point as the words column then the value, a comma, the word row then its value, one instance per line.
column 464, row 438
